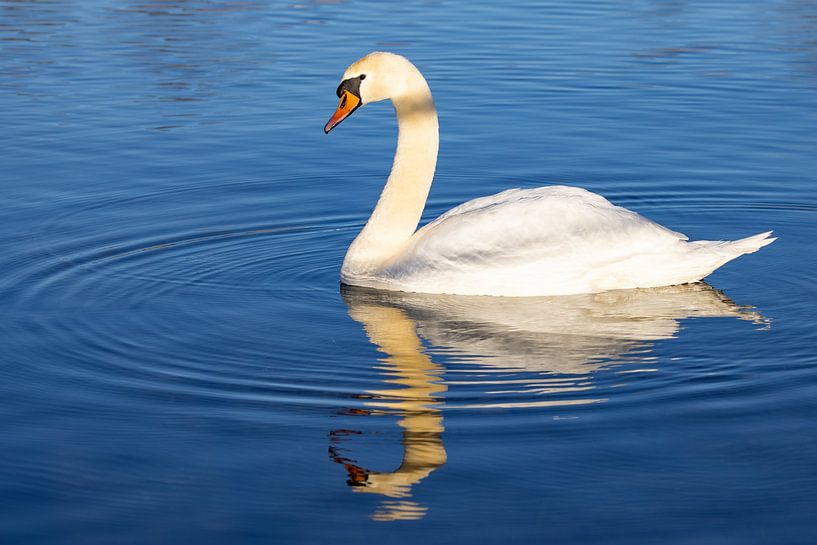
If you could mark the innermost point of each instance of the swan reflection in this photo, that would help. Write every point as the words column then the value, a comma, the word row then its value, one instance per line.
column 416, row 400
column 548, row 346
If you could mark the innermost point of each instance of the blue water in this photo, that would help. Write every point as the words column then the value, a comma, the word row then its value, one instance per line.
column 180, row 364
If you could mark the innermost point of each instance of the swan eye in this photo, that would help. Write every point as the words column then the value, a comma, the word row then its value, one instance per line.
column 362, row 77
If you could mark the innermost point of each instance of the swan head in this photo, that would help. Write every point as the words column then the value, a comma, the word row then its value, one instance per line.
column 377, row 76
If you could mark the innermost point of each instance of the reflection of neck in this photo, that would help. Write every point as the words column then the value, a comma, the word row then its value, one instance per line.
column 395, row 335
column 401, row 203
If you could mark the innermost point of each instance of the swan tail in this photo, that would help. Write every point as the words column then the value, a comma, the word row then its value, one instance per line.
column 735, row 248
column 712, row 254
column 753, row 243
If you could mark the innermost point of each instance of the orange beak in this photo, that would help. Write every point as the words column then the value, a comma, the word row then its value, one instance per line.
column 348, row 104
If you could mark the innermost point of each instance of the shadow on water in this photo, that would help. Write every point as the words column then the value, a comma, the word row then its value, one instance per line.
column 569, row 336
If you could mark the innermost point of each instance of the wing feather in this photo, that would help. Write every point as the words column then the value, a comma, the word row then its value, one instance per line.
column 565, row 225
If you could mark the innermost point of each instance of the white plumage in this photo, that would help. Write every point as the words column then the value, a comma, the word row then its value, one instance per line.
column 554, row 240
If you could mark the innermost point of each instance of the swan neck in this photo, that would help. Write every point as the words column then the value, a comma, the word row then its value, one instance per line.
column 400, row 206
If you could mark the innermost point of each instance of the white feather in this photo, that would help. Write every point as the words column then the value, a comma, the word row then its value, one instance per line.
column 549, row 241
column 553, row 240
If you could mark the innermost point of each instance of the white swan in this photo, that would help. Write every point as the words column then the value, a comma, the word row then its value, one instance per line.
column 553, row 240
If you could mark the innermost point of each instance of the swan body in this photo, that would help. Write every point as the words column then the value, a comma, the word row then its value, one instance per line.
column 553, row 240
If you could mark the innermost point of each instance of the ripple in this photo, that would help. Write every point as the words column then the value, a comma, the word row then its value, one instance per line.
column 175, row 310
column 209, row 307
column 269, row 256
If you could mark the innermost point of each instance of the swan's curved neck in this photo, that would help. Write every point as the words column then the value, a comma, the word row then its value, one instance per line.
column 401, row 204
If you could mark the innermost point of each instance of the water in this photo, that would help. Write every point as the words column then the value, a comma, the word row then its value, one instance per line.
column 181, row 366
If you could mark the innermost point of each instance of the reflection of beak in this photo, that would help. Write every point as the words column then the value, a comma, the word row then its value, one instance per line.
column 348, row 104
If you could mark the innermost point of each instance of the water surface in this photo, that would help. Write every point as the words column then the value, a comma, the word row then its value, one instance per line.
column 181, row 364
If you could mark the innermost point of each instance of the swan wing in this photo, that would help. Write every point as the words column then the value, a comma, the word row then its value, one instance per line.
column 528, row 235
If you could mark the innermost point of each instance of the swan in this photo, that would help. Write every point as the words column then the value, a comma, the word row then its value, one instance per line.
column 553, row 240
